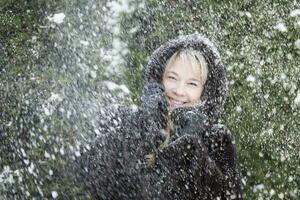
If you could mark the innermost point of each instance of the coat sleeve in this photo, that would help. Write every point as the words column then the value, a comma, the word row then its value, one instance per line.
column 109, row 157
column 221, row 172
column 112, row 168
column 112, row 162
column 200, row 168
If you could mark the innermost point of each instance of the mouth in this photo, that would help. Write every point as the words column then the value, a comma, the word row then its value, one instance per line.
column 175, row 103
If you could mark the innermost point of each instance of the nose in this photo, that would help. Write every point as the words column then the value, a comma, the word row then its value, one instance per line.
column 179, row 89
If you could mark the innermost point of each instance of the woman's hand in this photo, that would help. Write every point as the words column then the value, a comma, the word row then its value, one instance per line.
column 190, row 122
column 182, row 161
column 154, row 102
column 182, row 151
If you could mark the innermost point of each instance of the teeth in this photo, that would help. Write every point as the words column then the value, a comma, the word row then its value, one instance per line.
column 176, row 102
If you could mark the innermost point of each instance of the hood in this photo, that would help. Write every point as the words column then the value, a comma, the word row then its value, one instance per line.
column 215, row 89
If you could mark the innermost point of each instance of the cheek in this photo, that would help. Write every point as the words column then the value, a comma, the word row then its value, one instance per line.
column 168, row 86
column 194, row 95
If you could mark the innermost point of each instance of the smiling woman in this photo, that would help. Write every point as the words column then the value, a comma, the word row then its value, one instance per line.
column 184, row 78
column 171, row 147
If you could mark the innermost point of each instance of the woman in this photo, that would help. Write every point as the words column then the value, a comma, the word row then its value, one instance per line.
column 171, row 147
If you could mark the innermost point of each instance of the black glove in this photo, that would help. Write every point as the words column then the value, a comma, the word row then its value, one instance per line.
column 154, row 103
column 181, row 153
column 180, row 163
column 153, row 115
column 187, row 121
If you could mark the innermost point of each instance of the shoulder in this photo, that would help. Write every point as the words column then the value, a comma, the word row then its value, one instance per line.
column 110, row 118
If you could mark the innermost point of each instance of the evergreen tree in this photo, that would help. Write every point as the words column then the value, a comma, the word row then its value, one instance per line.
column 258, row 44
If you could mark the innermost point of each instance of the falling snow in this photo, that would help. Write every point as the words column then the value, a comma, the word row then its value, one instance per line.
column 295, row 13
column 281, row 27
column 297, row 43
column 74, row 71
column 57, row 18
column 297, row 99
column 54, row 194
column 251, row 78
column 113, row 86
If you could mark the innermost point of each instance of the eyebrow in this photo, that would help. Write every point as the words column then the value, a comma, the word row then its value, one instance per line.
column 192, row 79
column 171, row 72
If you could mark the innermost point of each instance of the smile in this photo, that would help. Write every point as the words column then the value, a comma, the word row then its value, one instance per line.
column 174, row 102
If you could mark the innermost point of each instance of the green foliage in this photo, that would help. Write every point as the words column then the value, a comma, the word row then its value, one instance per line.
column 40, row 128
column 261, row 114
column 51, row 76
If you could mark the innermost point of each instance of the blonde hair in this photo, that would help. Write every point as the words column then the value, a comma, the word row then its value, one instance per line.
column 196, row 59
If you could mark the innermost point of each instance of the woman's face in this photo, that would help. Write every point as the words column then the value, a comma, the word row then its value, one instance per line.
column 182, row 83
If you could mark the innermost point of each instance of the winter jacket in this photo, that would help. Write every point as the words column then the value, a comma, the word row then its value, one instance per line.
column 200, row 161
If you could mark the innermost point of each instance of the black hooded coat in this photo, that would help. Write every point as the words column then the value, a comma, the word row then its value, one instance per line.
column 200, row 162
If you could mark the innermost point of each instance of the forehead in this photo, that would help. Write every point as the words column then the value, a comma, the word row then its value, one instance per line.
column 182, row 67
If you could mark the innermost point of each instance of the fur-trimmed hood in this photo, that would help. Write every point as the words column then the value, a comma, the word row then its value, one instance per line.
column 215, row 89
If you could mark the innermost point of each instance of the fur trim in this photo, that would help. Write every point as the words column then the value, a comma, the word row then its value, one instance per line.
column 215, row 90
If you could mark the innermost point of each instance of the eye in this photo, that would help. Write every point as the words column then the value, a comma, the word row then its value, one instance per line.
column 193, row 84
column 171, row 77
